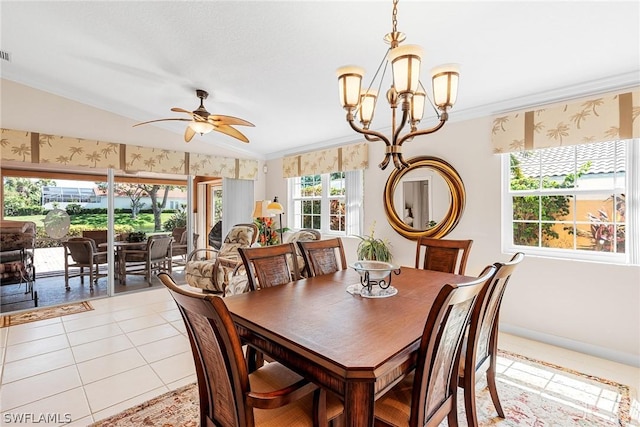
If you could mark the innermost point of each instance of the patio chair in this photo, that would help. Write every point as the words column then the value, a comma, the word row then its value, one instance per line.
column 155, row 257
column 209, row 269
column 179, row 248
column 81, row 253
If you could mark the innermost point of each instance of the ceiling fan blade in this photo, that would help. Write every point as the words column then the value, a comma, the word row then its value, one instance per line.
column 231, row 132
column 188, row 134
column 161, row 120
column 229, row 120
column 181, row 110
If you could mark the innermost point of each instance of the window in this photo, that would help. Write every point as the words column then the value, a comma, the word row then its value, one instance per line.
column 320, row 202
column 570, row 201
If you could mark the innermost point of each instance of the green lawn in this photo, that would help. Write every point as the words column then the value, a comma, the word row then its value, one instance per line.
column 144, row 221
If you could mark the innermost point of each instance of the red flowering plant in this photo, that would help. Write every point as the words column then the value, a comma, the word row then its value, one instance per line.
column 267, row 235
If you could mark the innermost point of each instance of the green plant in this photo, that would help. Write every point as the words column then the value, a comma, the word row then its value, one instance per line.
column 137, row 236
column 372, row 248
column 178, row 219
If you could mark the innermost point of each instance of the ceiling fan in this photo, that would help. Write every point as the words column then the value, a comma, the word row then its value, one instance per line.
column 202, row 121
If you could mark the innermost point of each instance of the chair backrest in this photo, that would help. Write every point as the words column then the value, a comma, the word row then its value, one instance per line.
column 98, row 236
column 158, row 246
column 302, row 235
column 223, row 380
column 81, row 249
column 482, row 340
column 177, row 233
column 320, row 256
column 270, row 265
column 240, row 236
column 436, row 376
column 443, row 254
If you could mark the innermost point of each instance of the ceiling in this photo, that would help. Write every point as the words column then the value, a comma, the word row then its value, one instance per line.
column 273, row 62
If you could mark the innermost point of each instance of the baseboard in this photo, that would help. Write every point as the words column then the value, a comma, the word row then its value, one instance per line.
column 581, row 347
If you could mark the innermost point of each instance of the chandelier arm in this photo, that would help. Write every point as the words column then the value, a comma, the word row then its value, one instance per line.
column 405, row 116
column 371, row 139
column 384, row 163
column 366, row 132
column 404, row 138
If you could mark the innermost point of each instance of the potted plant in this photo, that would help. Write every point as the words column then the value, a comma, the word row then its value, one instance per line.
column 373, row 248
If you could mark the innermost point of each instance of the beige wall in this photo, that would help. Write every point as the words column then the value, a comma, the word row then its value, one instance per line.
column 586, row 306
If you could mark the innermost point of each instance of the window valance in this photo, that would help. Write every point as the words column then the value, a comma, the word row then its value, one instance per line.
column 337, row 159
column 33, row 147
column 595, row 118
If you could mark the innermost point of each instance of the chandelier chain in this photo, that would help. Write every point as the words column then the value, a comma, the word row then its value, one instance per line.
column 394, row 16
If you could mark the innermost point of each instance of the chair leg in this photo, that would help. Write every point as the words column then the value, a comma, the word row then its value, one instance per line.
column 491, row 382
column 469, row 385
column 82, row 275
column 66, row 278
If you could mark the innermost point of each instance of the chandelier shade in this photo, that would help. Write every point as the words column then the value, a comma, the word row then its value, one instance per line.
column 405, row 62
column 406, row 93
column 350, row 82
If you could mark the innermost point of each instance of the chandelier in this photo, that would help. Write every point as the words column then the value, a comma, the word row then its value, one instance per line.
column 406, row 91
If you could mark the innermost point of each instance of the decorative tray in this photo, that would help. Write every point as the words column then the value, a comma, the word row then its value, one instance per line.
column 376, row 291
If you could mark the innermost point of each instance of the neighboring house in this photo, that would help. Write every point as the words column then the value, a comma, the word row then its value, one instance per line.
column 92, row 197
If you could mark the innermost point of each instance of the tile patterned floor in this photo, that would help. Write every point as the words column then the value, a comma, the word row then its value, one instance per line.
column 133, row 347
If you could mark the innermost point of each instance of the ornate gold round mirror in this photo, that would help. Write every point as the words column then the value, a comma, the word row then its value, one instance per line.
column 425, row 199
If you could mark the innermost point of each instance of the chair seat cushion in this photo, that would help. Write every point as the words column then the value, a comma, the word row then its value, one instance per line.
column 274, row 376
column 394, row 408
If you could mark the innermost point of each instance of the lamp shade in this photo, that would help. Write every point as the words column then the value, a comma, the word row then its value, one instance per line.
column 275, row 208
column 259, row 210
column 445, row 85
column 367, row 106
column 405, row 63
column 349, row 84
column 417, row 106
column 201, row 127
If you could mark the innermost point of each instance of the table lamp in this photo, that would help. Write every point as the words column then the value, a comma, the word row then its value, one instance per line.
column 276, row 208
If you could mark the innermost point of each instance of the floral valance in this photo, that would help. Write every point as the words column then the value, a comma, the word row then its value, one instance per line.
column 349, row 157
column 591, row 119
column 33, row 147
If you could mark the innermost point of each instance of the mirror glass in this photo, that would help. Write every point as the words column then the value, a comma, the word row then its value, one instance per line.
column 425, row 199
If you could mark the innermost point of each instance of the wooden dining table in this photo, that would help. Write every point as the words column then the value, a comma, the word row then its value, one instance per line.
column 356, row 347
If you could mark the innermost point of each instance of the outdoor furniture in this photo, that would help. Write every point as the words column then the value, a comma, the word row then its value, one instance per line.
column 179, row 247
column 17, row 243
column 443, row 254
column 209, row 269
column 155, row 257
column 321, row 256
column 229, row 395
column 81, row 253
column 353, row 347
column 480, row 345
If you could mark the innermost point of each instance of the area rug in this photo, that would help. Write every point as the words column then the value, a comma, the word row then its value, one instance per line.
column 44, row 313
column 533, row 393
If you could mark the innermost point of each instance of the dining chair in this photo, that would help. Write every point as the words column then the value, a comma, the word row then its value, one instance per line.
column 230, row 395
column 81, row 253
column 429, row 394
column 321, row 256
column 209, row 269
column 443, row 254
column 268, row 266
column 302, row 235
column 480, row 346
column 155, row 256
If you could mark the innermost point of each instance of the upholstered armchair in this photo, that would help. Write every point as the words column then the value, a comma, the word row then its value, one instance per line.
column 209, row 269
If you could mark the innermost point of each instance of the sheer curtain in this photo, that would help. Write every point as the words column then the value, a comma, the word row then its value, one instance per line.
column 354, row 201
column 237, row 203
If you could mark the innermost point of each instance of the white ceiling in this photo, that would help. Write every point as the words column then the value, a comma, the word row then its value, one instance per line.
column 273, row 62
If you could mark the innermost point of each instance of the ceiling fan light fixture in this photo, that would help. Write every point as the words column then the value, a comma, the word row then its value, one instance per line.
column 201, row 127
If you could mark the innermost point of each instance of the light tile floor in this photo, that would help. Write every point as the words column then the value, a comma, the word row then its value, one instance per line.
column 133, row 347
